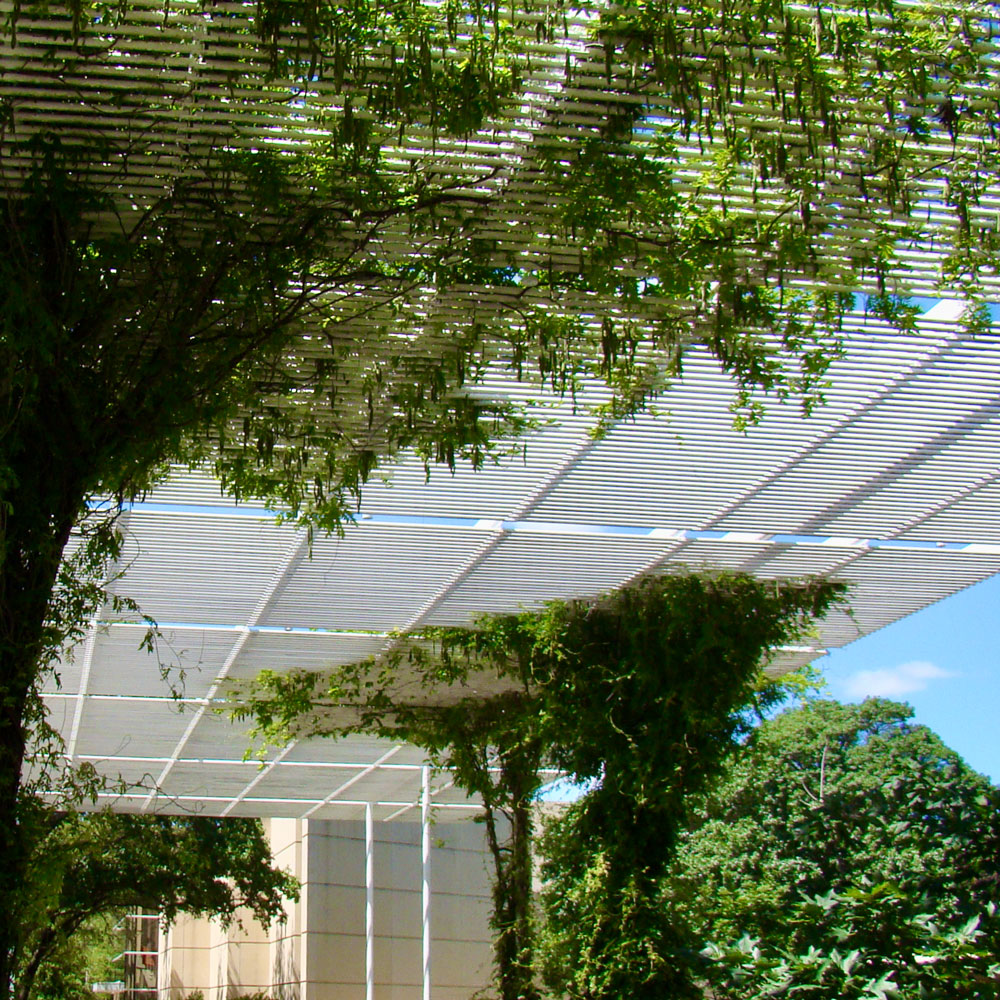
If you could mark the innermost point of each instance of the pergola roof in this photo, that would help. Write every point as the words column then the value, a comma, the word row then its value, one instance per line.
column 891, row 486
column 158, row 89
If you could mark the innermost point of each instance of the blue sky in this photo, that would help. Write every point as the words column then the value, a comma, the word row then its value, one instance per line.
column 944, row 661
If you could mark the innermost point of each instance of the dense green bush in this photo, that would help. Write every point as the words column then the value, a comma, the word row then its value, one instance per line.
column 847, row 853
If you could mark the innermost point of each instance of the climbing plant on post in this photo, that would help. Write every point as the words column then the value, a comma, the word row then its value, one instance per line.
column 642, row 691
column 649, row 694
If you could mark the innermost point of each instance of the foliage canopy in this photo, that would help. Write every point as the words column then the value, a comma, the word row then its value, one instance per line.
column 846, row 830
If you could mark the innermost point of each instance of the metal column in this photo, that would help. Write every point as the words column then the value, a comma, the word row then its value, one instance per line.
column 425, row 844
column 369, row 903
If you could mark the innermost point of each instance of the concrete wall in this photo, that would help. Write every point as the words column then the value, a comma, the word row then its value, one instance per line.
column 319, row 952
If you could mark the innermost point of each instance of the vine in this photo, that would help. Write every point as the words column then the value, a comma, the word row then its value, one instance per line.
column 641, row 692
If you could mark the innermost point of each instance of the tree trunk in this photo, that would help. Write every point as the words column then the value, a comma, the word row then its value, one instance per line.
column 35, row 521
column 29, row 971
column 512, row 888
column 16, row 675
column 12, row 853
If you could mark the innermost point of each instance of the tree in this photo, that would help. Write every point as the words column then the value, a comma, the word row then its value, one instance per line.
column 845, row 830
column 261, row 253
column 639, row 690
column 654, row 698
column 83, row 866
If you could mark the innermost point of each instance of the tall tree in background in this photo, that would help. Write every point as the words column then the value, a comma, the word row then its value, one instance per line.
column 846, row 830
column 278, row 238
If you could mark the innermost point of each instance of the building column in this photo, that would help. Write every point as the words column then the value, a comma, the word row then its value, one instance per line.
column 425, row 845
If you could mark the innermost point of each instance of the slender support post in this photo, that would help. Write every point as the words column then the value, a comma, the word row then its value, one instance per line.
column 425, row 844
column 369, row 903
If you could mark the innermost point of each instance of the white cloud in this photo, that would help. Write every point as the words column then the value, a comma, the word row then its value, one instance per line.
column 893, row 681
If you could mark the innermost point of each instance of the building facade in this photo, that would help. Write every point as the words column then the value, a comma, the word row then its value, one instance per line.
column 387, row 911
